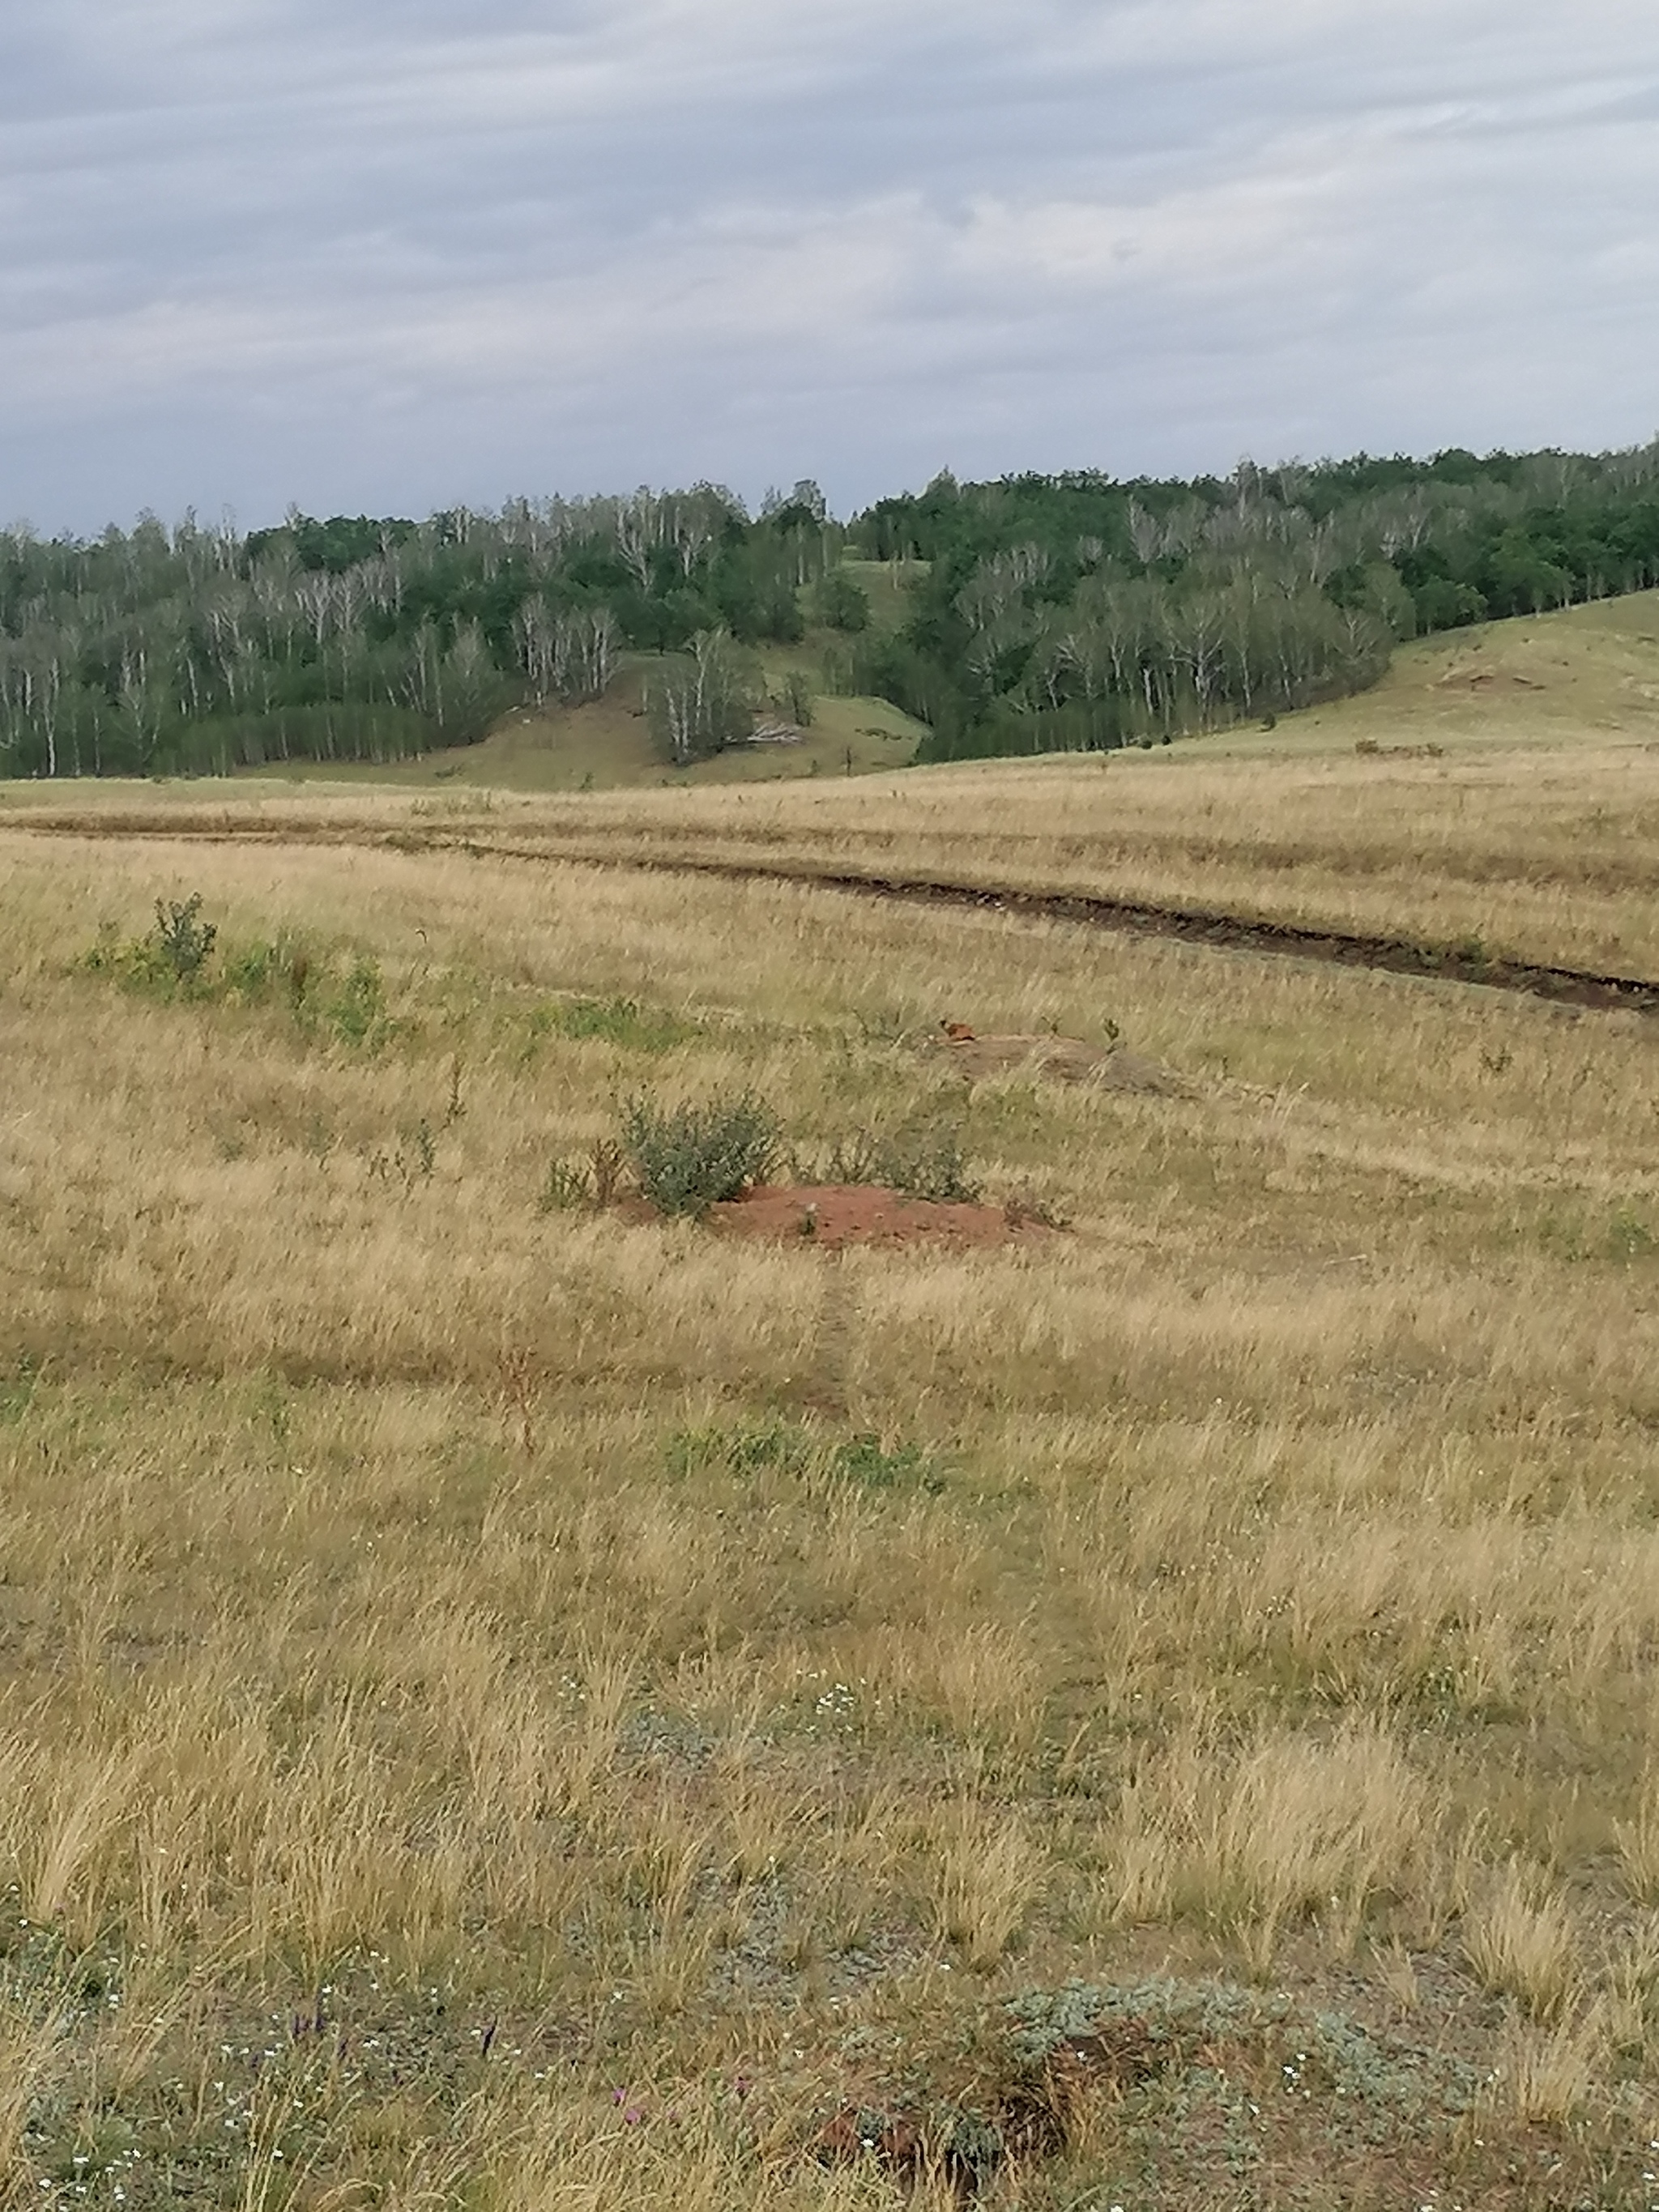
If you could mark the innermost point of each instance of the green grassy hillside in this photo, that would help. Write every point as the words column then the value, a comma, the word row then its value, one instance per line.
column 1591, row 670
column 607, row 746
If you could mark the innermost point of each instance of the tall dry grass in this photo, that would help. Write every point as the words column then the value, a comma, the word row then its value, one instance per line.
column 448, row 1678
column 1542, row 853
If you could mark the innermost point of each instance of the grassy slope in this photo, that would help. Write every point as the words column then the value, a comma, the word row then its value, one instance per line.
column 1582, row 672
column 608, row 746
column 885, row 585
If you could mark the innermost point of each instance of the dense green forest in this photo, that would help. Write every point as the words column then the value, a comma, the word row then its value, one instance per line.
column 1060, row 611
column 1041, row 611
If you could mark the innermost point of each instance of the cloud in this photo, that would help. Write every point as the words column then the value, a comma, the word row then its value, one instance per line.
column 344, row 251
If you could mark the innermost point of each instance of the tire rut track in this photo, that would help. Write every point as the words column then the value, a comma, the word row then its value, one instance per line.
column 1222, row 932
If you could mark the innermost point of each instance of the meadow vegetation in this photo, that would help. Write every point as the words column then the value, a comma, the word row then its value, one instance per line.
column 1518, row 849
column 516, row 1704
column 1496, row 795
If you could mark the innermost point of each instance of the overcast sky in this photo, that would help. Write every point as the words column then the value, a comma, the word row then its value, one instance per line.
column 393, row 254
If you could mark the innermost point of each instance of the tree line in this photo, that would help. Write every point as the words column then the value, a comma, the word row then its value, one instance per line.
column 1042, row 612
column 1059, row 611
column 198, row 650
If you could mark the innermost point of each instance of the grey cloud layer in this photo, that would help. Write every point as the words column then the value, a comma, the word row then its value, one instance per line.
column 347, row 255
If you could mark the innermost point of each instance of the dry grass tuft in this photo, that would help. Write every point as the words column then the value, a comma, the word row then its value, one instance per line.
column 1638, row 1842
column 1548, row 2076
column 991, row 1872
column 1291, row 1828
column 1522, row 1942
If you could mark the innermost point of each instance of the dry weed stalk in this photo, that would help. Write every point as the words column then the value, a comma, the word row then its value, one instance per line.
column 520, row 1393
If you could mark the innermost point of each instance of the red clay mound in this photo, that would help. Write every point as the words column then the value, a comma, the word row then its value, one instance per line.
column 835, row 1215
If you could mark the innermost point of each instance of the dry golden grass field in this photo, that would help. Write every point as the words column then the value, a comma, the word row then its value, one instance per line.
column 1467, row 804
column 515, row 1704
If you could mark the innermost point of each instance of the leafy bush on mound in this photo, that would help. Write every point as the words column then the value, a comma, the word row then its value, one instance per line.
column 690, row 1158
column 686, row 1158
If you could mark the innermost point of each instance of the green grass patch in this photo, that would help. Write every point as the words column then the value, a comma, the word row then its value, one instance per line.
column 863, row 1462
column 627, row 1023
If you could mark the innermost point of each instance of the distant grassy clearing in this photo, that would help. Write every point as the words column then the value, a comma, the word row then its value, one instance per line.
column 1587, row 672
column 609, row 747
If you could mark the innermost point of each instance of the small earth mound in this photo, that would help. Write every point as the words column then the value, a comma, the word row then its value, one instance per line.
column 832, row 1215
column 1066, row 1059
column 1487, row 679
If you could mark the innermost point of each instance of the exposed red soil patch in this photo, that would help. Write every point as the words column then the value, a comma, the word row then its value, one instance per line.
column 836, row 1214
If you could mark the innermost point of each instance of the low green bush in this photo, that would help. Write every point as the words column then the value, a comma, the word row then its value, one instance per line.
column 622, row 1022
column 567, row 1188
column 868, row 1464
column 627, row 1023
column 355, row 1009
column 171, row 957
column 862, row 1461
column 744, row 1450
column 182, row 957
column 687, row 1158
column 183, row 940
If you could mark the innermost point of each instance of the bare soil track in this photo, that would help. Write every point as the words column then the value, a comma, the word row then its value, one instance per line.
column 1399, row 956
